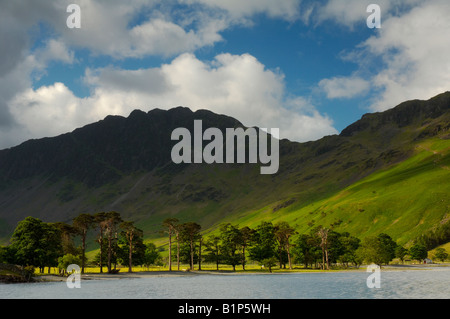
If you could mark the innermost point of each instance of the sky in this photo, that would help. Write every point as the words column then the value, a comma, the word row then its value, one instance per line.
column 309, row 68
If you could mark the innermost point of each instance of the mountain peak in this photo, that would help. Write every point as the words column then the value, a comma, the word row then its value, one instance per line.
column 405, row 114
column 108, row 149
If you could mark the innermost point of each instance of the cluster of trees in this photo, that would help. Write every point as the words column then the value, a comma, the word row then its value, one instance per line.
column 231, row 246
column 39, row 244
column 436, row 237
column 271, row 244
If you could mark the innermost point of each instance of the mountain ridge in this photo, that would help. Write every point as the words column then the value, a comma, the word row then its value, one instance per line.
column 123, row 163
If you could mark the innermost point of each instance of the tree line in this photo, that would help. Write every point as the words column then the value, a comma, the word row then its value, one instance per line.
column 280, row 244
column 39, row 244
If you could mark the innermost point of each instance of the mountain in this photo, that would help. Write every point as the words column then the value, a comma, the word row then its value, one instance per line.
column 387, row 171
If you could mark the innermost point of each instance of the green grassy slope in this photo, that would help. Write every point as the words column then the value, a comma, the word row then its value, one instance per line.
column 403, row 201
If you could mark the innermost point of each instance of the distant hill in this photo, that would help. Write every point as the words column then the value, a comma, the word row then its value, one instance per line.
column 386, row 172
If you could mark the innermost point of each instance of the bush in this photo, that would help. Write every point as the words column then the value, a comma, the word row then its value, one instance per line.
column 66, row 260
column 418, row 252
column 441, row 254
column 269, row 263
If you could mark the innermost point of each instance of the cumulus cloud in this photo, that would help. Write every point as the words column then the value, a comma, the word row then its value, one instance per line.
column 352, row 12
column 286, row 9
column 55, row 50
column 110, row 27
column 415, row 51
column 114, row 28
column 17, row 18
column 49, row 110
column 344, row 87
column 406, row 59
column 15, row 84
column 114, row 32
column 118, row 29
column 235, row 85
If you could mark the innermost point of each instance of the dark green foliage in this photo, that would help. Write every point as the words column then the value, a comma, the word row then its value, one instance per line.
column 389, row 246
column 307, row 250
column 185, row 253
column 378, row 249
column 213, row 250
column 401, row 252
column 6, row 255
column 151, row 256
column 433, row 238
column 36, row 243
column 190, row 235
column 132, row 249
column 342, row 248
column 264, row 242
column 66, row 260
column 418, row 252
column 441, row 254
column 230, row 249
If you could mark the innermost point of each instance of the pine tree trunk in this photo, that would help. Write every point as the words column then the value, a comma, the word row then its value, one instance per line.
column 200, row 255
column 243, row 257
column 289, row 256
column 129, row 256
column 84, row 251
column 178, row 252
column 170, row 250
column 192, row 255
column 109, row 252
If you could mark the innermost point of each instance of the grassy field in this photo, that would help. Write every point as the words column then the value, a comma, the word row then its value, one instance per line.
column 403, row 201
column 251, row 268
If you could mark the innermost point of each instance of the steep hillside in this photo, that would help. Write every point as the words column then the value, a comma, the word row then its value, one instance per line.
column 404, row 200
column 386, row 171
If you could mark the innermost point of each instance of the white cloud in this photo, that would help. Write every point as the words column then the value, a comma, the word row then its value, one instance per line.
column 121, row 29
column 160, row 37
column 235, row 85
column 344, row 87
column 48, row 111
column 286, row 9
column 56, row 50
column 16, row 95
column 135, row 28
column 406, row 59
column 344, row 12
column 415, row 51
column 108, row 27
column 351, row 12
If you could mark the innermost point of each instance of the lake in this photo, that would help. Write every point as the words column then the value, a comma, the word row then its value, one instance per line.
column 396, row 284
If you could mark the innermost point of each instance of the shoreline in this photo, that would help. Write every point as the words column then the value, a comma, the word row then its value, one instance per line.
column 176, row 273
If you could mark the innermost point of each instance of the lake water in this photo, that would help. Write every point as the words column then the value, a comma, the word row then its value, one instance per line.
column 428, row 284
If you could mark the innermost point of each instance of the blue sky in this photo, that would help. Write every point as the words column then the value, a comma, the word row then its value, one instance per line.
column 309, row 68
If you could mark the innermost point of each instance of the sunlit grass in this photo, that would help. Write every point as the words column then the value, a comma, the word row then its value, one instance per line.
column 249, row 268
